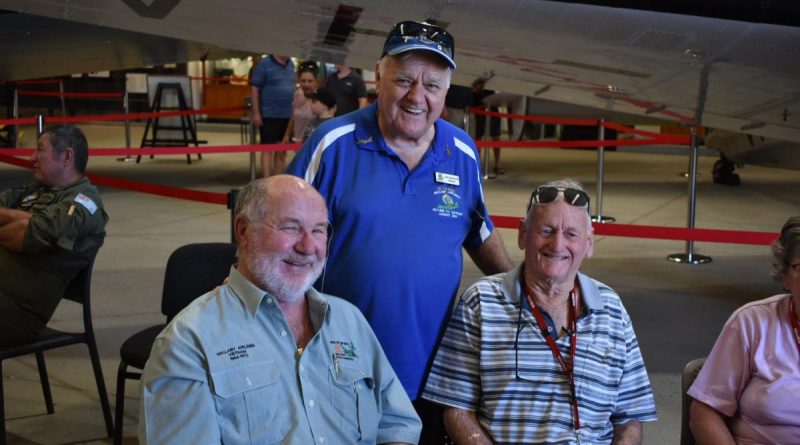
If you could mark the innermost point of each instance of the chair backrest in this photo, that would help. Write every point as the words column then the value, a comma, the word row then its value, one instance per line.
column 687, row 378
column 78, row 289
column 192, row 270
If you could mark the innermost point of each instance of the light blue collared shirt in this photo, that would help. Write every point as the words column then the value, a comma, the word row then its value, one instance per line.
column 226, row 369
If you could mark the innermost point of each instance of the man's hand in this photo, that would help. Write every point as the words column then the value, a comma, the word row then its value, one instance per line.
column 13, row 224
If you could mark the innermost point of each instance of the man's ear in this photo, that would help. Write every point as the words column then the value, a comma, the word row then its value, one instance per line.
column 521, row 232
column 590, row 247
column 240, row 225
column 68, row 156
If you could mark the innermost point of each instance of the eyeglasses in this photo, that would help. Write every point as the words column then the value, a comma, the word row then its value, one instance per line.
column 544, row 195
column 521, row 324
column 424, row 32
column 520, row 327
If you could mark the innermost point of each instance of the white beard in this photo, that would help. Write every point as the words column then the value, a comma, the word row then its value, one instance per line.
column 265, row 269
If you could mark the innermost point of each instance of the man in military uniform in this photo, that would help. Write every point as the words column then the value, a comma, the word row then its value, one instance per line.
column 49, row 231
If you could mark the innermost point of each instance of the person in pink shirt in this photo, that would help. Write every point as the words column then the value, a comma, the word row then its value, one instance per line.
column 748, row 391
column 301, row 109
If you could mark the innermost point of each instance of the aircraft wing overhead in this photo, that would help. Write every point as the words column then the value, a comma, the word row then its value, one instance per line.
column 729, row 65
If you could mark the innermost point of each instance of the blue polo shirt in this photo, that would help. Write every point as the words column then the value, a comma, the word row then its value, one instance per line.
column 275, row 83
column 395, row 251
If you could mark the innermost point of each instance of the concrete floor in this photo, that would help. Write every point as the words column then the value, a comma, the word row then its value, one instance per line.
column 677, row 309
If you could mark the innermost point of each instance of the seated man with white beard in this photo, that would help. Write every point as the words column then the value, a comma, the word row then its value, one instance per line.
column 265, row 358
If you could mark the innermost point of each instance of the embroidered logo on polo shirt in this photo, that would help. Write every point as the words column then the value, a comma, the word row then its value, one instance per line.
column 449, row 201
column 344, row 350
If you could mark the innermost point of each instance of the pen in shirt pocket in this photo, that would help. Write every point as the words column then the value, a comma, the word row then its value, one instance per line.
column 335, row 364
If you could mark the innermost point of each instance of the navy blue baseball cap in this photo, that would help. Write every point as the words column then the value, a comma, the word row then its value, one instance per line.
column 420, row 36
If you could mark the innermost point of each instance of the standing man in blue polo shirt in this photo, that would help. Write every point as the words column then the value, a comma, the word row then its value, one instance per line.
column 404, row 194
column 272, row 84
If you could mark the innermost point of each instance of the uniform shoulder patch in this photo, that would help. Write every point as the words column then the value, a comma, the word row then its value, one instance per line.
column 86, row 202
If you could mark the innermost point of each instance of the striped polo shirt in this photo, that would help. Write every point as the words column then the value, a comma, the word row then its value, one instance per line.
column 478, row 361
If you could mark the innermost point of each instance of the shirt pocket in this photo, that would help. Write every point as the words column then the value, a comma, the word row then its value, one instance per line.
column 249, row 404
column 353, row 391
column 600, row 368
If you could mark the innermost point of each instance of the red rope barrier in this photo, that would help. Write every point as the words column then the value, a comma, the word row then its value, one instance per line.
column 631, row 130
column 70, row 94
column 534, row 118
column 31, row 82
column 500, row 221
column 222, row 79
column 661, row 232
column 146, row 151
column 160, row 190
column 137, row 186
column 120, row 116
column 667, row 139
column 663, row 140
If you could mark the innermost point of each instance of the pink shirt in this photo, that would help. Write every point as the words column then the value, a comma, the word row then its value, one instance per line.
column 753, row 374
column 302, row 114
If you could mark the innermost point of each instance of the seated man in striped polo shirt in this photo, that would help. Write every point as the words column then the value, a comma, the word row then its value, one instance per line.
column 543, row 354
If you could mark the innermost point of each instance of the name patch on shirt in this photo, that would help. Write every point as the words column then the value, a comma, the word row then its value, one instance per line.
column 86, row 202
column 237, row 352
column 446, row 178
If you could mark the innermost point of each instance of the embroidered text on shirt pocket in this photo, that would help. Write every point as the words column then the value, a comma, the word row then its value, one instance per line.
column 352, row 390
column 245, row 398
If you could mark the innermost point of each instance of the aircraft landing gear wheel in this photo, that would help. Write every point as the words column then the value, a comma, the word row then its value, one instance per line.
column 723, row 173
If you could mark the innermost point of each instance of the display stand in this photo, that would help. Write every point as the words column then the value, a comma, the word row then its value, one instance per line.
column 181, row 130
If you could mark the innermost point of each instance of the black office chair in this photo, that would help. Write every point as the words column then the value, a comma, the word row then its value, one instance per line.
column 687, row 378
column 78, row 291
column 192, row 270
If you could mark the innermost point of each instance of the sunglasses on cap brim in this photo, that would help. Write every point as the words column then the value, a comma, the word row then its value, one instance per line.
column 545, row 195
column 423, row 32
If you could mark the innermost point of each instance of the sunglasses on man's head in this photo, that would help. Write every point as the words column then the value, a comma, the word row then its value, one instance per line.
column 544, row 195
column 420, row 31
column 308, row 67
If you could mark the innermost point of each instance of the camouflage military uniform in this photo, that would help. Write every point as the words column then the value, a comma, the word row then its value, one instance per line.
column 66, row 229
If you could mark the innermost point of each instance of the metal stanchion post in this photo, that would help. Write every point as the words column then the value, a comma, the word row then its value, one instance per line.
column 690, row 257
column 253, row 139
column 465, row 120
column 248, row 103
column 233, row 195
column 601, row 156
column 486, row 157
column 16, row 116
column 39, row 125
column 126, row 107
column 61, row 95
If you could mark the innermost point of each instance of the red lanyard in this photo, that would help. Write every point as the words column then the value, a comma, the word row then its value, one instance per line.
column 566, row 366
column 795, row 324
